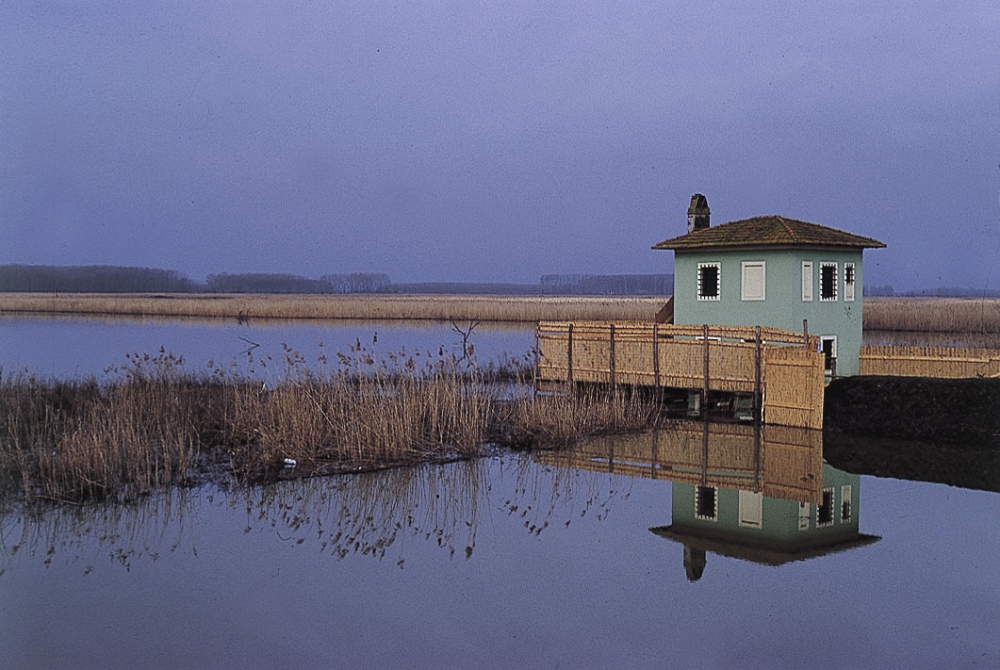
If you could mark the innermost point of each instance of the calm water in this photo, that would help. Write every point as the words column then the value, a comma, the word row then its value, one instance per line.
column 68, row 347
column 692, row 547
column 510, row 561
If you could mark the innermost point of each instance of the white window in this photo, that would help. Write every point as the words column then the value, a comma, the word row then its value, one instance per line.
column 824, row 513
column 807, row 281
column 751, row 509
column 804, row 515
column 848, row 282
column 827, row 281
column 753, row 280
column 709, row 281
column 845, row 503
column 706, row 503
column 828, row 346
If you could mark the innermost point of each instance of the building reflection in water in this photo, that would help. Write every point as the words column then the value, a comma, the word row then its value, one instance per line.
column 758, row 493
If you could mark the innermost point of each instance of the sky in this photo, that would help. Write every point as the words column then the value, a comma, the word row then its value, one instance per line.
column 493, row 141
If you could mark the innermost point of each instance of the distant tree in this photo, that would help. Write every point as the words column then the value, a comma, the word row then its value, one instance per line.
column 92, row 279
column 358, row 282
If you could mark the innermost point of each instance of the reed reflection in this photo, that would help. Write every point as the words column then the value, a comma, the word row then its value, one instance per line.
column 384, row 515
column 758, row 493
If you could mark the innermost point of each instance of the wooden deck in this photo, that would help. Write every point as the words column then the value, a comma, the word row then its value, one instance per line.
column 780, row 370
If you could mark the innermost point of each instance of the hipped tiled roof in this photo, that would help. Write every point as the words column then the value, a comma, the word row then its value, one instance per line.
column 768, row 231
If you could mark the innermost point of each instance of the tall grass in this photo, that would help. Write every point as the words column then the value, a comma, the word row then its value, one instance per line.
column 159, row 425
column 933, row 315
column 524, row 309
column 900, row 314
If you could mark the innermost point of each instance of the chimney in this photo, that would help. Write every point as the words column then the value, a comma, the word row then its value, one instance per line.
column 698, row 213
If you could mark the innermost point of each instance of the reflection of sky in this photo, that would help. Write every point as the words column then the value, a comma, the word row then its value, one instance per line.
column 252, row 578
column 72, row 347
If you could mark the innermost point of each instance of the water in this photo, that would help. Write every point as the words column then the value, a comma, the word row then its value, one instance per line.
column 609, row 556
column 510, row 561
column 70, row 347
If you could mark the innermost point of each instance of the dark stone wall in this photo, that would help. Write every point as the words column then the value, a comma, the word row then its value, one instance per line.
column 915, row 408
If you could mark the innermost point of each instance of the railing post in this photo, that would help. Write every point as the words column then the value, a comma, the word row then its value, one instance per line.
column 704, row 388
column 656, row 355
column 569, row 355
column 538, row 356
column 758, row 410
column 612, row 356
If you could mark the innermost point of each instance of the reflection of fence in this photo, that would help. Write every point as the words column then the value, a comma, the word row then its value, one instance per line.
column 785, row 377
column 780, row 461
column 943, row 362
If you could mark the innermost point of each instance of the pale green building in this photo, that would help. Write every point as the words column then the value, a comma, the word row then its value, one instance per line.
column 772, row 271
column 750, row 526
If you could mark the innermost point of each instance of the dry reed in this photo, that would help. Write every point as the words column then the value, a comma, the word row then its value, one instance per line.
column 159, row 425
column 933, row 315
column 524, row 309
column 887, row 314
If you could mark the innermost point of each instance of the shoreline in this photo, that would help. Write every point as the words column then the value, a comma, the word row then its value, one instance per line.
column 930, row 315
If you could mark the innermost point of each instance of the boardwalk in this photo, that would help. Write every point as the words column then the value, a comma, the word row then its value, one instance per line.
column 780, row 371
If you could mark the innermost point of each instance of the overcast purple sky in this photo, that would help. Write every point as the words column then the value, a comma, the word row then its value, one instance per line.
column 493, row 141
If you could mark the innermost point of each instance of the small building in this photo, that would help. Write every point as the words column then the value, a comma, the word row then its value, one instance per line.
column 740, row 523
column 772, row 271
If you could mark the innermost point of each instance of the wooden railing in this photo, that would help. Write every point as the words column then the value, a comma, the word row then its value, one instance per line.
column 780, row 368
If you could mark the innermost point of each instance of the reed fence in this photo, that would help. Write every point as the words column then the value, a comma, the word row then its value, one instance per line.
column 780, row 461
column 940, row 362
column 780, row 368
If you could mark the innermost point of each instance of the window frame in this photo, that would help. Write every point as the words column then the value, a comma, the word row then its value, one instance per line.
column 718, row 281
column 846, row 507
column 826, row 514
column 808, row 281
column 699, row 508
column 751, row 509
column 822, row 266
column 850, row 281
column 832, row 339
column 743, row 280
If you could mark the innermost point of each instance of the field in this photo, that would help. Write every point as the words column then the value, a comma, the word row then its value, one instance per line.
column 376, row 307
column 935, row 315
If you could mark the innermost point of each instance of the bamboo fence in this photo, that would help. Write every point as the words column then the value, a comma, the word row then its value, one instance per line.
column 785, row 377
column 940, row 362
column 779, row 461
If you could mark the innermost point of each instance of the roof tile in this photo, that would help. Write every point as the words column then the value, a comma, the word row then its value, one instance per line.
column 768, row 231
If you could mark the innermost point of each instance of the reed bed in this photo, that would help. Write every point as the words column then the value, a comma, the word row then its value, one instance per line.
column 933, row 315
column 157, row 425
column 944, row 315
column 380, row 307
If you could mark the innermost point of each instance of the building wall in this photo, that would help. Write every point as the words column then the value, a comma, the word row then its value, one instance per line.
column 783, row 305
column 782, row 526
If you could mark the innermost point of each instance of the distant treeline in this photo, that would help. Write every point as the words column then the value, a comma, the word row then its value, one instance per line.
column 886, row 291
column 116, row 279
column 359, row 282
column 92, row 279
column 651, row 284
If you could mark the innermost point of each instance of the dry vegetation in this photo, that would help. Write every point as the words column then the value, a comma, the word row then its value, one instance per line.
column 379, row 307
column 157, row 425
column 933, row 315
column 942, row 315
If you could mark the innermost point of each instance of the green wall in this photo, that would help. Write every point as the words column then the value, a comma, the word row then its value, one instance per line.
column 783, row 306
column 780, row 518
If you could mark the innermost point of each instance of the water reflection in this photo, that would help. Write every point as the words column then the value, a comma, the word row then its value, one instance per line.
column 71, row 346
column 759, row 493
column 373, row 514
